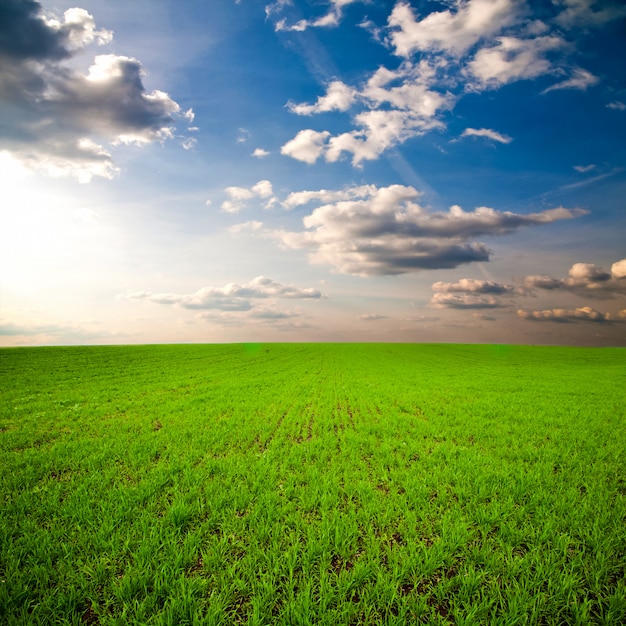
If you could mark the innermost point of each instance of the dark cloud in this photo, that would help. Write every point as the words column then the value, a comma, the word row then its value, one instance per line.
column 25, row 34
column 55, row 118
column 385, row 231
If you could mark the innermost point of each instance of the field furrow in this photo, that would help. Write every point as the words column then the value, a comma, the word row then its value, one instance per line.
column 312, row 484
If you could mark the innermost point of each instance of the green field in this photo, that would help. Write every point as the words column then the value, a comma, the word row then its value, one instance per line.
column 313, row 484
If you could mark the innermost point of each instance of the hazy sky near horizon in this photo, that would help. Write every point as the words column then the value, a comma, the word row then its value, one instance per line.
column 312, row 170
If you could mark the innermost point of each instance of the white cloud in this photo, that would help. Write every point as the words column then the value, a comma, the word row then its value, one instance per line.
column 406, row 88
column 56, row 118
column 471, row 285
column 306, row 146
column 581, row 79
column 584, row 168
column 239, row 195
column 330, row 19
column 384, row 231
column 618, row 269
column 263, row 189
column 465, row 301
column 616, row 105
column 380, row 130
column 231, row 297
column 582, row 314
column 339, row 97
column 512, row 59
column 76, row 31
column 471, row 46
column 370, row 317
column 488, row 133
column 252, row 225
column 450, row 31
column 399, row 105
column 585, row 279
column 298, row 198
column 469, row 293
column 260, row 153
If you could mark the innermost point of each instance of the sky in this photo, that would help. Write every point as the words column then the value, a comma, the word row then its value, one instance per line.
column 313, row 170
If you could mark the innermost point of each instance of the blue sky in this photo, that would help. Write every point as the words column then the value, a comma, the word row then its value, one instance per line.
column 313, row 170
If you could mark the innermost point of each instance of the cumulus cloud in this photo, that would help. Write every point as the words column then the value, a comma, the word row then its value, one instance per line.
column 472, row 46
column 582, row 314
column 385, row 231
column 450, row 31
column 469, row 293
column 487, row 133
column 398, row 105
column 512, row 59
column 306, row 146
column 231, row 297
column 370, row 317
column 339, row 97
column 240, row 195
column 57, row 119
column 379, row 130
column 585, row 278
column 260, row 153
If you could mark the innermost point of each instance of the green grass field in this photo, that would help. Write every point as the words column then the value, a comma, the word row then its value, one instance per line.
column 313, row 484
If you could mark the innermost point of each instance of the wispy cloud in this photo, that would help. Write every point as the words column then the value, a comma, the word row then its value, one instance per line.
column 580, row 79
column 616, row 105
column 583, row 169
column 487, row 133
column 370, row 317
column 328, row 20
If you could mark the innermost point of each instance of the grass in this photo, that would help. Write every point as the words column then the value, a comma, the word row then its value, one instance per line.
column 313, row 484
